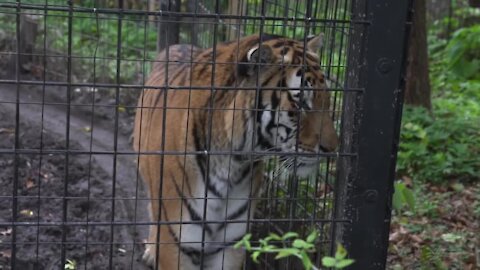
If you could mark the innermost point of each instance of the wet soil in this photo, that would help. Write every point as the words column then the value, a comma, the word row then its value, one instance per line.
column 57, row 184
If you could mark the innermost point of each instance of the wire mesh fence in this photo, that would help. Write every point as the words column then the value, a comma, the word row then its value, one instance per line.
column 250, row 126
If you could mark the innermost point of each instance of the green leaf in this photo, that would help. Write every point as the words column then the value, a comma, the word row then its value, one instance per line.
column 245, row 242
column 299, row 243
column 341, row 253
column 397, row 201
column 450, row 237
column 343, row 263
column 286, row 252
column 273, row 236
column 269, row 248
column 255, row 255
column 248, row 246
column 239, row 244
column 328, row 261
column 289, row 235
column 398, row 197
column 307, row 263
column 312, row 236
column 263, row 242
column 409, row 198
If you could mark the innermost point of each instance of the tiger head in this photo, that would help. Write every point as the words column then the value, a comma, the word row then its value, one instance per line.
column 294, row 113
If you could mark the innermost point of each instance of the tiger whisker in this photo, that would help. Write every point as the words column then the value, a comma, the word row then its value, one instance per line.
column 282, row 169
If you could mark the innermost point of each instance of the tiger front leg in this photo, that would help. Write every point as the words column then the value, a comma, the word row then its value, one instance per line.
column 161, row 249
column 162, row 246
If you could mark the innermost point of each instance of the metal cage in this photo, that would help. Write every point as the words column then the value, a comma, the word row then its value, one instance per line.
column 71, row 72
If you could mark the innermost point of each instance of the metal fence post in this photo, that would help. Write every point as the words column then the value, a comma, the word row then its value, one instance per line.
column 371, row 127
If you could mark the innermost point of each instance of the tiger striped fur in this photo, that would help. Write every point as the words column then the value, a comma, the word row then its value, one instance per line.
column 193, row 194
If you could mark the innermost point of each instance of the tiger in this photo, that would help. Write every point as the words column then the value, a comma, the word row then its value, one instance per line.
column 199, row 118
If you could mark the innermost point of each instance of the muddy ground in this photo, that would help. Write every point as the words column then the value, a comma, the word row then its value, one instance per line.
column 45, row 200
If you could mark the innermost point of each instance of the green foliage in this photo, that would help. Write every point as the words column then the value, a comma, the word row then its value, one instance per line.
column 463, row 53
column 94, row 36
column 403, row 197
column 290, row 244
column 97, row 36
column 340, row 260
column 429, row 259
column 445, row 144
column 6, row 20
column 445, row 147
column 426, row 206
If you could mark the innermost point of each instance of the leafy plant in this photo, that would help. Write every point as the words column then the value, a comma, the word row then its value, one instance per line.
column 403, row 197
column 339, row 261
column 433, row 149
column 444, row 144
column 463, row 53
column 290, row 244
column 429, row 258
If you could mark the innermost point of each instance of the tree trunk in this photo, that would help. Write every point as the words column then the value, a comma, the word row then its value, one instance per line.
column 168, row 25
column 151, row 8
column 235, row 7
column 28, row 35
column 417, row 89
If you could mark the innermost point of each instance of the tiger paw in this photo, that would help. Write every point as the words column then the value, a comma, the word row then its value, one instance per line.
column 149, row 256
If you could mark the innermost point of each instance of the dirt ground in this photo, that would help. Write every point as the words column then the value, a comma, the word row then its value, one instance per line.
column 44, row 200
column 442, row 233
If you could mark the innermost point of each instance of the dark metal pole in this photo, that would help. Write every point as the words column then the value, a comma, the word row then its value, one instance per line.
column 168, row 25
column 370, row 128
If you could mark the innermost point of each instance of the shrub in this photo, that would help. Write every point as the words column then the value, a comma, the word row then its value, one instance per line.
column 444, row 147
column 463, row 53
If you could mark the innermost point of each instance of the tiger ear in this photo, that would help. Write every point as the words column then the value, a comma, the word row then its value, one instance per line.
column 255, row 58
column 314, row 43
column 262, row 54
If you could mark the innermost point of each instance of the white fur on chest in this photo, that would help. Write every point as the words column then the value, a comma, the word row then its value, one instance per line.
column 234, row 204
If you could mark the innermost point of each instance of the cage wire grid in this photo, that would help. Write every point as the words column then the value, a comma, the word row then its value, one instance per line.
column 72, row 195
